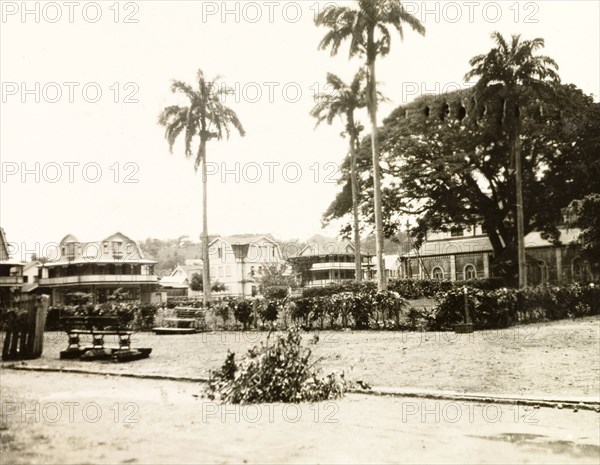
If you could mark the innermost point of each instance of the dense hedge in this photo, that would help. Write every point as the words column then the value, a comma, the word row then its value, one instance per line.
column 338, row 288
column 419, row 288
column 366, row 308
column 500, row 308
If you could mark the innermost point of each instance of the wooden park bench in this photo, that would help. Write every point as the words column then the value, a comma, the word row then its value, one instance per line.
column 97, row 327
column 187, row 320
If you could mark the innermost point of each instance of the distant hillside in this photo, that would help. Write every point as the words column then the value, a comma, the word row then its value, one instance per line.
column 171, row 252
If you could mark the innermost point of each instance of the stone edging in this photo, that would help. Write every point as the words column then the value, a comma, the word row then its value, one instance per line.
column 572, row 403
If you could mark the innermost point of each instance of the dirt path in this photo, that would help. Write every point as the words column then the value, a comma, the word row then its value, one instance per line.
column 66, row 418
column 558, row 358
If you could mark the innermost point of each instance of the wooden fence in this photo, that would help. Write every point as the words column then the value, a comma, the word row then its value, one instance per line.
column 24, row 337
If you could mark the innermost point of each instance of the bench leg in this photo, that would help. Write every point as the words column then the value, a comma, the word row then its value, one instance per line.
column 124, row 341
column 73, row 341
column 97, row 341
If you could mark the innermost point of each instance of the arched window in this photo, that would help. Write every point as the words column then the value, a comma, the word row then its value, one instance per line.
column 437, row 273
column 470, row 272
column 444, row 112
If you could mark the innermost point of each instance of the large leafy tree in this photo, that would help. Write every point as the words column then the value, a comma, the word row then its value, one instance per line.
column 204, row 118
column 453, row 167
column 367, row 28
column 343, row 100
column 513, row 68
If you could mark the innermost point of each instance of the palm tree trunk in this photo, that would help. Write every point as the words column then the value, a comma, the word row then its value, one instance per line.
column 381, row 281
column 516, row 149
column 354, row 183
column 205, row 258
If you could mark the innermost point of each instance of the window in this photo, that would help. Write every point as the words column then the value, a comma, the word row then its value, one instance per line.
column 457, row 232
column 220, row 252
column 260, row 270
column 220, row 272
column 437, row 273
column 117, row 250
column 470, row 272
column 252, row 271
column 105, row 247
column 228, row 271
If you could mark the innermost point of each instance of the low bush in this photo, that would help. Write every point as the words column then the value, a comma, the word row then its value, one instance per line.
column 275, row 292
column 278, row 372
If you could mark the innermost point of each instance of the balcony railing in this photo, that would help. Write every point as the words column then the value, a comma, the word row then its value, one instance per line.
column 326, row 282
column 11, row 280
column 100, row 279
column 333, row 266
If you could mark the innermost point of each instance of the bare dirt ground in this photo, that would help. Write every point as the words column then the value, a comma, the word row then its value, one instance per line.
column 57, row 418
column 558, row 358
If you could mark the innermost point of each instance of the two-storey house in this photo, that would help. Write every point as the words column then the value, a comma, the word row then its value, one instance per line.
column 238, row 262
column 100, row 268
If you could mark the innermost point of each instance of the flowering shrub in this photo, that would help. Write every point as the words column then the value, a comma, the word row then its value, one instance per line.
column 278, row 372
column 358, row 310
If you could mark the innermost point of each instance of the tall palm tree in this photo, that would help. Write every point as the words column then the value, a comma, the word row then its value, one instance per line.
column 367, row 27
column 204, row 118
column 511, row 70
column 343, row 100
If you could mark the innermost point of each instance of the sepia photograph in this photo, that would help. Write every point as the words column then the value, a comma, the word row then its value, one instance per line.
column 299, row 232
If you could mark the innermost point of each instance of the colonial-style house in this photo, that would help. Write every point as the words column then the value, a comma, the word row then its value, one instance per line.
column 238, row 262
column 462, row 254
column 11, row 272
column 100, row 268
column 324, row 261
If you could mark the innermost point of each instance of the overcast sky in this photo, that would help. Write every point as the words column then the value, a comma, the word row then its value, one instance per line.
column 281, row 176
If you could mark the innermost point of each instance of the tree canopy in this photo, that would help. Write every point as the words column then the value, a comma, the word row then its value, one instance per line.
column 446, row 162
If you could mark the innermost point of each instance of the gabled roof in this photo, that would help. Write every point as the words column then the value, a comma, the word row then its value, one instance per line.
column 321, row 245
column 69, row 238
column 96, row 248
column 454, row 245
column 243, row 239
column 567, row 236
column 31, row 265
column 459, row 245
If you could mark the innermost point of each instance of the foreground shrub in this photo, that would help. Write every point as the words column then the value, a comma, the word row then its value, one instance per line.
column 278, row 372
